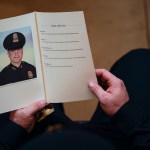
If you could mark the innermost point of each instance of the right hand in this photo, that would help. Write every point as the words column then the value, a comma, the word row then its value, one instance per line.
column 114, row 97
column 27, row 116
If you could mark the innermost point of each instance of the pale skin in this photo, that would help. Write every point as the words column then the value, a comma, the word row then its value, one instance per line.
column 116, row 94
column 27, row 116
column 15, row 56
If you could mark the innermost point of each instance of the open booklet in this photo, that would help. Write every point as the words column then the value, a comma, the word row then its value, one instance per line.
column 57, row 46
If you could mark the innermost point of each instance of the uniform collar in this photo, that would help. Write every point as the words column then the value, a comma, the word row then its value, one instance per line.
column 14, row 67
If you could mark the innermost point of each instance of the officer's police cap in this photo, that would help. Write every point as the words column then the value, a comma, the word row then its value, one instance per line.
column 14, row 41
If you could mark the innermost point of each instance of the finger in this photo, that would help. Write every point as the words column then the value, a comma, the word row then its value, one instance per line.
column 106, row 76
column 33, row 108
column 96, row 89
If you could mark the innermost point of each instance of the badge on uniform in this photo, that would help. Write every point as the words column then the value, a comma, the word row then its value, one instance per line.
column 30, row 74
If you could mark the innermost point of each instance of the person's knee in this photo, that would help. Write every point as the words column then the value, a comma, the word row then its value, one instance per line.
column 138, row 51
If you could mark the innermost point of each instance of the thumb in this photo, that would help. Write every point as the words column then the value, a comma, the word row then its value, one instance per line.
column 96, row 89
column 33, row 108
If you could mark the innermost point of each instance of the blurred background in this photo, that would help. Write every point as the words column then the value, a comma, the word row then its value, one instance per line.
column 114, row 28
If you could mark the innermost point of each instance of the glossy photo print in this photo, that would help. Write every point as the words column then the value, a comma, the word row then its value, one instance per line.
column 17, row 62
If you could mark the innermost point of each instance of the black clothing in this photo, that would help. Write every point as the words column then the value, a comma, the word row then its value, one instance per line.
column 128, row 129
column 11, row 135
column 134, row 69
column 69, row 140
column 11, row 73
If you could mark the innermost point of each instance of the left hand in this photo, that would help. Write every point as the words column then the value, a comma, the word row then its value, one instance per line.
column 26, row 117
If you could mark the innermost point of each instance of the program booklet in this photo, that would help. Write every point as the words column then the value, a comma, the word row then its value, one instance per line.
column 56, row 61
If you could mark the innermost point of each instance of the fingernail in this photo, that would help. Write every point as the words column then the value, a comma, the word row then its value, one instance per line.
column 43, row 102
column 91, row 84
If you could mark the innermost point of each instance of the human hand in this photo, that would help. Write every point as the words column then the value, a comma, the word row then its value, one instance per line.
column 114, row 97
column 26, row 117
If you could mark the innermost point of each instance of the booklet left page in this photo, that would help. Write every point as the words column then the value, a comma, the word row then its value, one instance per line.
column 20, row 68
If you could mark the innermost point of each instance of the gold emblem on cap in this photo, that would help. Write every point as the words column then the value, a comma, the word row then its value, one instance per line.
column 15, row 38
column 30, row 74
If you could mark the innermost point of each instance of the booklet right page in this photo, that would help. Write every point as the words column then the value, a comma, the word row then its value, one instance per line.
column 66, row 56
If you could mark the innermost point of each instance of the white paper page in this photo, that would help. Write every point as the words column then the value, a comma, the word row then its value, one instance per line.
column 20, row 94
column 67, row 60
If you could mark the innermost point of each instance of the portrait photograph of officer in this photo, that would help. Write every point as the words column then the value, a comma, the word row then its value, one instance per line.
column 17, row 66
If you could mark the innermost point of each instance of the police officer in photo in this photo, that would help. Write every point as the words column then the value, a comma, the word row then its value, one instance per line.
column 17, row 70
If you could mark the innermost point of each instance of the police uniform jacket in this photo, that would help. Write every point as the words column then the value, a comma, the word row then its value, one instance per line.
column 11, row 73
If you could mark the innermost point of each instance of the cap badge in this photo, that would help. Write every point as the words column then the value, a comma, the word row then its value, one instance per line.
column 15, row 38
